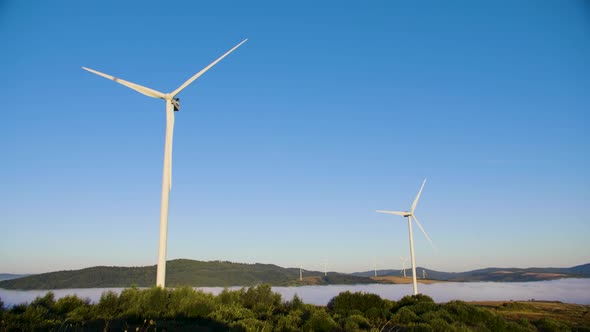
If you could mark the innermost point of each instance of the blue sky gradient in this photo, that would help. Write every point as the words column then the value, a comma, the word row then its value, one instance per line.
column 284, row 150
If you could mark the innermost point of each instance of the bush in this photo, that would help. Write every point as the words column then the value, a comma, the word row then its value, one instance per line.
column 320, row 321
column 356, row 323
column 185, row 302
column 346, row 302
column 231, row 297
column 47, row 301
column 261, row 300
column 410, row 300
column 69, row 303
column 251, row 325
column 231, row 313
column 108, row 307
column 290, row 322
column 550, row 325
column 295, row 303
column 405, row 316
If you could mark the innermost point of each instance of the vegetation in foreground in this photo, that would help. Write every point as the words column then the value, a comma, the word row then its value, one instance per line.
column 260, row 309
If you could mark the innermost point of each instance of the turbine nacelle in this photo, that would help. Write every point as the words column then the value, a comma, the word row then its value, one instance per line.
column 176, row 103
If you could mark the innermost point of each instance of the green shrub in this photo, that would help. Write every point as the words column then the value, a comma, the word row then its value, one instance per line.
column 231, row 296
column 320, row 321
column 420, row 327
column 231, row 313
column 551, row 325
column 439, row 325
column 185, row 302
column 405, row 316
column 47, row 301
column 410, row 300
column 356, row 323
column 289, row 323
column 69, row 303
column 154, row 303
column 347, row 303
column 261, row 300
column 251, row 325
column 108, row 306
column 295, row 303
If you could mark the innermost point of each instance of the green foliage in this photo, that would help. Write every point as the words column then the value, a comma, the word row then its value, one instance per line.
column 405, row 316
column 369, row 306
column 251, row 325
column 551, row 325
column 68, row 304
column 410, row 300
column 108, row 306
column 295, row 303
column 320, row 321
column 231, row 313
column 289, row 323
column 189, row 303
column 356, row 323
column 260, row 309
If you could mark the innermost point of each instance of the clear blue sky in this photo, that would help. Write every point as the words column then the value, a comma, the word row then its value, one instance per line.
column 284, row 150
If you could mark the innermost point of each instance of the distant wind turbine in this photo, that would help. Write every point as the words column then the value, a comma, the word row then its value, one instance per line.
column 300, row 272
column 375, row 266
column 410, row 215
column 172, row 104
column 404, row 261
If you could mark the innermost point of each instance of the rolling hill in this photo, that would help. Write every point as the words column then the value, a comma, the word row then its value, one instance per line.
column 194, row 273
column 179, row 272
column 8, row 276
column 493, row 274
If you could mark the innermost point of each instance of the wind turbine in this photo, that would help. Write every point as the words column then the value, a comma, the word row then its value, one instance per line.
column 172, row 105
column 375, row 266
column 300, row 272
column 404, row 261
column 410, row 215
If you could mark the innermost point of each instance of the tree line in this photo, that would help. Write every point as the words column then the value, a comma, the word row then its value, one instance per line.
column 256, row 309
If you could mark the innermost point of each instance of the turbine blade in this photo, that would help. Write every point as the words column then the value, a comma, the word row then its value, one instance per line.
column 417, row 197
column 423, row 231
column 398, row 213
column 141, row 89
column 197, row 75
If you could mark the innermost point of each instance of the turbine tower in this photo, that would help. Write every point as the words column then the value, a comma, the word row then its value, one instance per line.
column 404, row 261
column 375, row 267
column 172, row 105
column 410, row 215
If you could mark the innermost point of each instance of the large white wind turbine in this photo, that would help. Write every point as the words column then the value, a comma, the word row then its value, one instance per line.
column 172, row 105
column 410, row 215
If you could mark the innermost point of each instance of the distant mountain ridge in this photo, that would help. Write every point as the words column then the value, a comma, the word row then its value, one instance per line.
column 179, row 272
column 492, row 274
column 8, row 276
column 194, row 273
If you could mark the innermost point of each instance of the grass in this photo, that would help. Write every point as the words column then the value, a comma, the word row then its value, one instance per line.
column 576, row 315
